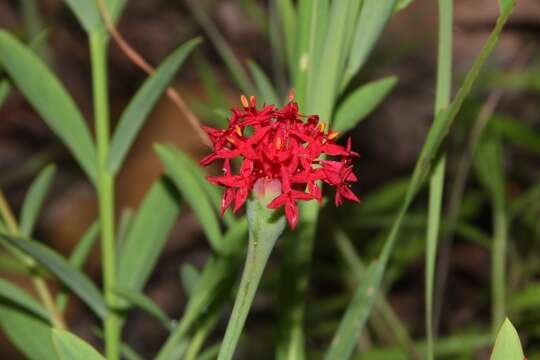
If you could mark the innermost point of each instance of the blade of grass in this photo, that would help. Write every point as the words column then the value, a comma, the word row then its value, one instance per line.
column 344, row 339
column 400, row 332
column 234, row 66
column 491, row 174
column 516, row 131
column 436, row 182
column 34, row 199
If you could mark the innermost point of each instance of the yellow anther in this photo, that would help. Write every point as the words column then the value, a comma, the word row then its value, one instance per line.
column 231, row 140
column 333, row 135
column 322, row 127
column 244, row 101
column 253, row 101
column 278, row 143
column 238, row 130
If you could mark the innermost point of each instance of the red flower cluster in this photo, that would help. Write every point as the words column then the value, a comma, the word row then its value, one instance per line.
column 277, row 144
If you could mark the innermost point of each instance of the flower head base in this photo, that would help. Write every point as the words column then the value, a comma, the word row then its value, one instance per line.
column 278, row 144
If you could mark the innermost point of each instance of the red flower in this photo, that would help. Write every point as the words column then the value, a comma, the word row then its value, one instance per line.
column 278, row 144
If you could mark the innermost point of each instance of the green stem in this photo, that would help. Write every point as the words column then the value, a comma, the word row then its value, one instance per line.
column 263, row 234
column 105, row 189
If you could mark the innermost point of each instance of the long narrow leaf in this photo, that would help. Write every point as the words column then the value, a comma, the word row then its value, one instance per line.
column 287, row 17
column 18, row 297
column 50, row 99
column 146, row 304
column 191, row 190
column 34, row 199
column 328, row 74
column 234, row 66
column 78, row 282
column 147, row 235
column 436, row 183
column 69, row 347
column 361, row 103
column 265, row 89
column 31, row 335
column 357, row 310
column 343, row 343
column 137, row 111
column 79, row 255
column 373, row 18
column 507, row 345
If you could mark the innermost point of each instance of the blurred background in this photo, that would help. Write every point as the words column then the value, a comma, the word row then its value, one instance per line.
column 389, row 140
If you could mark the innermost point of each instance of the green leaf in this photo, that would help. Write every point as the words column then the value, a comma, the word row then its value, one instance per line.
column 516, row 131
column 265, row 89
column 34, row 199
column 354, row 318
column 84, row 245
column 5, row 88
column 86, row 12
column 16, row 296
column 287, row 17
column 124, row 224
column 217, row 276
column 373, row 18
column 79, row 255
column 146, row 304
column 361, row 103
column 234, row 66
column 31, row 335
column 74, row 279
column 213, row 192
column 50, row 99
column 343, row 344
column 507, row 344
column 265, row 227
column 190, row 277
column 489, row 165
column 436, row 182
column 70, row 347
column 177, row 167
column 329, row 72
column 402, row 5
column 147, row 235
column 143, row 102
